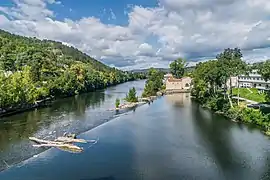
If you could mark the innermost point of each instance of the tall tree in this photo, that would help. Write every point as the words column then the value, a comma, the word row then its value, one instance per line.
column 264, row 70
column 177, row 67
column 154, row 82
column 230, row 64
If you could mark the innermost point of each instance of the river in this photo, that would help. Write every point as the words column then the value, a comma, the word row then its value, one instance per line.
column 172, row 138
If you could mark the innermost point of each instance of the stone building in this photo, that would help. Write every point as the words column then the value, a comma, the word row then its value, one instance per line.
column 177, row 85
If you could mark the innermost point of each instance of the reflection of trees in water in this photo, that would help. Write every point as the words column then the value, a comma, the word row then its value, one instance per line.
column 266, row 172
column 179, row 99
column 23, row 125
column 216, row 139
column 18, row 127
column 80, row 103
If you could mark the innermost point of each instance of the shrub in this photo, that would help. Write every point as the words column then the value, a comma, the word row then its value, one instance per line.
column 234, row 113
column 218, row 104
column 117, row 102
column 252, row 115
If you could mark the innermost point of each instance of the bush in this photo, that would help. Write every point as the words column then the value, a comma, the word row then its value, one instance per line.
column 234, row 113
column 117, row 102
column 218, row 104
column 248, row 115
column 253, row 116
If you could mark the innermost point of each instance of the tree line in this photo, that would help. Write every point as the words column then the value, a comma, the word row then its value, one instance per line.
column 210, row 86
column 33, row 69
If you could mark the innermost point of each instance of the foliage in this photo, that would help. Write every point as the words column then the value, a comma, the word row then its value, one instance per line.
column 33, row 69
column 177, row 67
column 154, row 83
column 264, row 70
column 131, row 96
column 218, row 104
column 117, row 102
column 230, row 64
column 209, row 79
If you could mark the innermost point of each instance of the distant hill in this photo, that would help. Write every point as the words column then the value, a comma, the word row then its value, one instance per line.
column 165, row 70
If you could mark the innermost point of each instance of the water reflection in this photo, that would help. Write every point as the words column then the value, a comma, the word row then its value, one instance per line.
column 179, row 100
column 75, row 114
column 214, row 134
column 23, row 125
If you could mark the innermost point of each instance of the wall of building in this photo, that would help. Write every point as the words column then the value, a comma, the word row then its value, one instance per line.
column 254, row 80
column 186, row 82
column 173, row 85
column 178, row 84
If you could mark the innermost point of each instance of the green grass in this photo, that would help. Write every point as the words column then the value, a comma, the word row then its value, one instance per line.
column 254, row 96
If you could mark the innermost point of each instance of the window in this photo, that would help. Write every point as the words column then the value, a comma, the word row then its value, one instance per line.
column 186, row 85
column 258, row 78
column 260, row 85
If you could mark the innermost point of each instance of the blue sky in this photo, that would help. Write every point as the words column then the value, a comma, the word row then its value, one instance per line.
column 102, row 9
column 132, row 34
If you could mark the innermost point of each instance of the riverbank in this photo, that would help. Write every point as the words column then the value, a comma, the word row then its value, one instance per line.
column 237, row 113
column 25, row 107
column 12, row 110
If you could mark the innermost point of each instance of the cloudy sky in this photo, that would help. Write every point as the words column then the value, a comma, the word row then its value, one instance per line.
column 132, row 34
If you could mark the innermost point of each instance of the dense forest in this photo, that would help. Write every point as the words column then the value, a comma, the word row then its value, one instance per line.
column 32, row 70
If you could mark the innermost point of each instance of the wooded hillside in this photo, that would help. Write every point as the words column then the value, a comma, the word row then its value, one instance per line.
column 33, row 69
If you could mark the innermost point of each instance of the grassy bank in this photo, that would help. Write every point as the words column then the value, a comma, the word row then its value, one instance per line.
column 250, row 93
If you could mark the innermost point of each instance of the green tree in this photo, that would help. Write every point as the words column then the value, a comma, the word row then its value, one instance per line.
column 154, row 82
column 264, row 70
column 131, row 96
column 117, row 102
column 177, row 67
column 230, row 64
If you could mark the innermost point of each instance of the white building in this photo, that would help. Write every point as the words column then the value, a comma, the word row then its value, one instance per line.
column 252, row 80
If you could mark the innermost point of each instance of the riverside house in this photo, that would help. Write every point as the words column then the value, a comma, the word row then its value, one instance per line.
column 174, row 85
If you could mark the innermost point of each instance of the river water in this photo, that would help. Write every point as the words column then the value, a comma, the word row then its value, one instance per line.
column 172, row 138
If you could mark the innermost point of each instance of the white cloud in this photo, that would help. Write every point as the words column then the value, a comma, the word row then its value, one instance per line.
column 194, row 29
column 145, row 49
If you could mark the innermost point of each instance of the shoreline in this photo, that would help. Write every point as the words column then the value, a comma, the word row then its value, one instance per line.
column 26, row 107
column 223, row 114
column 119, row 113
column 43, row 103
